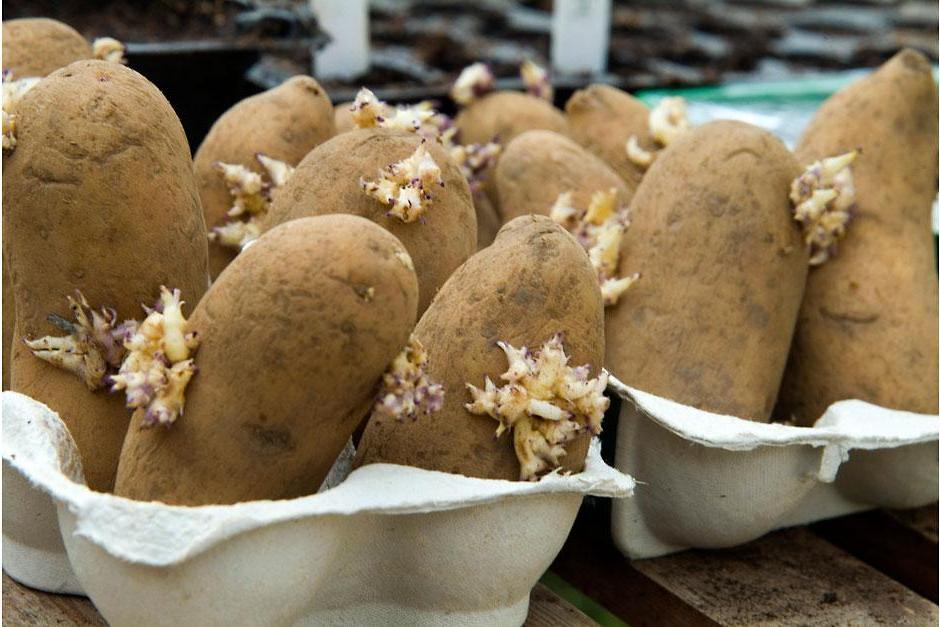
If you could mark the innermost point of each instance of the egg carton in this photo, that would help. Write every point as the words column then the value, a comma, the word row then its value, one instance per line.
column 389, row 545
column 714, row 481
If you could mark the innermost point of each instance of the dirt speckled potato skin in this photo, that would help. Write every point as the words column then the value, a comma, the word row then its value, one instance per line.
column 284, row 123
column 537, row 166
column 535, row 280
column 868, row 325
column 291, row 353
column 327, row 181
column 103, row 200
column 39, row 46
column 723, row 267
column 602, row 118
column 8, row 321
column 502, row 115
column 488, row 219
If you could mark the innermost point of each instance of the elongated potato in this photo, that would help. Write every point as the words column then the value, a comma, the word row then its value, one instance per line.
column 283, row 123
column 868, row 325
column 329, row 180
column 710, row 321
column 602, row 119
column 295, row 335
column 35, row 47
column 537, row 166
column 105, row 203
column 501, row 115
column 533, row 282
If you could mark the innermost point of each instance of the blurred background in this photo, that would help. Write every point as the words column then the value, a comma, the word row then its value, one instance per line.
column 207, row 54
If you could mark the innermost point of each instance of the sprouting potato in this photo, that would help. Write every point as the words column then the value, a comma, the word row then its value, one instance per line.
column 868, row 325
column 106, row 205
column 293, row 340
column 281, row 125
column 36, row 47
column 404, row 183
column 525, row 306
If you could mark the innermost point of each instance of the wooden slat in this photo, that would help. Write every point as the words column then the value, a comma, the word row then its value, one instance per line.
column 25, row 606
column 889, row 545
column 547, row 609
column 590, row 562
column 788, row 577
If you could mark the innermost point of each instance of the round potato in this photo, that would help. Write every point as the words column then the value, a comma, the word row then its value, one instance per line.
column 501, row 115
column 295, row 335
column 342, row 117
column 868, row 325
column 537, row 166
column 709, row 323
column 533, row 282
column 105, row 203
column 602, row 119
column 283, row 123
column 328, row 180
column 35, row 47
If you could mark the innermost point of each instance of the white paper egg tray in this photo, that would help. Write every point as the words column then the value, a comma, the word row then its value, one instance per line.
column 390, row 545
column 713, row 481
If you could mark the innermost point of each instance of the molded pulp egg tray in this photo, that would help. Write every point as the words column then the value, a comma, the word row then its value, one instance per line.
column 389, row 545
column 712, row 481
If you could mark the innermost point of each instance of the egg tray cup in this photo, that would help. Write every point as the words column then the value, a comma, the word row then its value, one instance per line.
column 389, row 545
column 713, row 481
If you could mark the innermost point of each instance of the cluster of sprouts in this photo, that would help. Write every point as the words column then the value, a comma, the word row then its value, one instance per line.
column 667, row 121
column 407, row 391
column 406, row 186
column 544, row 402
column 823, row 198
column 251, row 198
column 600, row 229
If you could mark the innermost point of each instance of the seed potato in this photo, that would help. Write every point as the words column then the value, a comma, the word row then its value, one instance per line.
column 327, row 181
column 868, row 325
column 103, row 201
column 295, row 335
column 35, row 47
column 501, row 115
column 723, row 266
column 537, row 166
column 284, row 123
column 602, row 119
column 534, row 281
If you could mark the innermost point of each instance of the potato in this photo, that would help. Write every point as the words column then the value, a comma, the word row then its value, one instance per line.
column 723, row 269
column 537, row 166
column 328, row 181
column 501, row 115
column 342, row 117
column 8, row 315
column 868, row 325
column 534, row 281
column 295, row 335
column 105, row 203
column 602, row 119
column 284, row 123
column 35, row 47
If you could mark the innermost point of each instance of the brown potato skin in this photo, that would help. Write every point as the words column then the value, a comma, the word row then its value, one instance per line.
column 602, row 118
column 106, row 203
column 537, row 166
column 534, row 281
column 342, row 117
column 723, row 268
column 868, row 325
column 39, row 46
column 284, row 123
column 501, row 115
column 488, row 218
column 327, row 181
column 290, row 358
column 8, row 323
